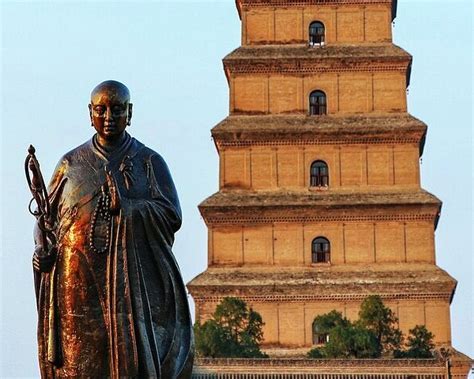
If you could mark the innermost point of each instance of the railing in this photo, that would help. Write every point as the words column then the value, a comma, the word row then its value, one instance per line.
column 295, row 368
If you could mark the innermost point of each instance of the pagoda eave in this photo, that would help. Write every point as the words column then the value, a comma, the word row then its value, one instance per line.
column 383, row 52
column 301, row 59
column 236, row 207
column 254, row 130
column 323, row 283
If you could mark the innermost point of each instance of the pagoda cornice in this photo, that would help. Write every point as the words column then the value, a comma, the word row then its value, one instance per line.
column 302, row 59
column 248, row 4
column 240, row 207
column 300, row 129
column 257, row 284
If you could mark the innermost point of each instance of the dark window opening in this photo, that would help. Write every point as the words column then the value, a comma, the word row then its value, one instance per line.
column 317, row 103
column 319, row 174
column 316, row 33
column 318, row 337
column 321, row 250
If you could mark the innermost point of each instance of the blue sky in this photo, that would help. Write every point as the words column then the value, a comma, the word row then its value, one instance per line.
column 169, row 55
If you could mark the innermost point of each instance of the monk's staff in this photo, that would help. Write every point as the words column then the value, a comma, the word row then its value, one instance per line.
column 47, row 244
column 40, row 196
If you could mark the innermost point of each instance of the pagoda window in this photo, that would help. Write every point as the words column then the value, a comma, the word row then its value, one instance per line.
column 321, row 250
column 317, row 103
column 319, row 174
column 316, row 33
column 318, row 337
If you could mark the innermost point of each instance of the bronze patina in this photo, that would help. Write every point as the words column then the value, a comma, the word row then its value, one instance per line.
column 111, row 300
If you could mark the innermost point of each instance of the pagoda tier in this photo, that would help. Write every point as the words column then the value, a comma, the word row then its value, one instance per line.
column 290, row 298
column 278, row 79
column 277, row 228
column 286, row 21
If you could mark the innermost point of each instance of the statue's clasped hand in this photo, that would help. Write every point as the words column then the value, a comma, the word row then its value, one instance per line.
column 113, row 192
column 44, row 261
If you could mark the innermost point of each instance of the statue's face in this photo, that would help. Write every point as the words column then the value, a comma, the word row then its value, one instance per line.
column 110, row 113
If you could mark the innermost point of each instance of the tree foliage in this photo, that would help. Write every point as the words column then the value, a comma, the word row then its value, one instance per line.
column 234, row 331
column 420, row 344
column 382, row 322
column 374, row 334
column 345, row 339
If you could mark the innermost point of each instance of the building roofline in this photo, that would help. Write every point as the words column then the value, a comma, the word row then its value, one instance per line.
column 285, row 3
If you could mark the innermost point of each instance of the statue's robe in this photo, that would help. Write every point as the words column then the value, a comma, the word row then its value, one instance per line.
column 123, row 312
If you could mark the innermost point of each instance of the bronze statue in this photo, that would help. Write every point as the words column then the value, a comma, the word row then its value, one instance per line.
column 111, row 300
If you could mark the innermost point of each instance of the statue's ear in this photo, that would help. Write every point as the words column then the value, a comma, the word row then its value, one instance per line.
column 130, row 112
column 90, row 114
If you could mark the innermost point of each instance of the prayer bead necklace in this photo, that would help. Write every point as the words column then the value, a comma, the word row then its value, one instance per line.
column 102, row 210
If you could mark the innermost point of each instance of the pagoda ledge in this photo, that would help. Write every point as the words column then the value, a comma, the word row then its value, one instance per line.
column 393, row 281
column 368, row 51
column 298, row 129
column 300, row 58
column 244, row 206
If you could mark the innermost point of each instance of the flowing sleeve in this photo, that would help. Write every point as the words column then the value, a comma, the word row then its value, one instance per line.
column 158, row 301
column 162, row 186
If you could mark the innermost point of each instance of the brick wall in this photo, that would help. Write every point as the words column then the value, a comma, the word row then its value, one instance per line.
column 351, row 167
column 346, row 93
column 344, row 25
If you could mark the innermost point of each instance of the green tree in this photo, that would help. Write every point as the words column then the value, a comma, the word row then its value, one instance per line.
column 380, row 320
column 374, row 334
column 345, row 339
column 327, row 324
column 364, row 343
column 420, row 344
column 234, row 331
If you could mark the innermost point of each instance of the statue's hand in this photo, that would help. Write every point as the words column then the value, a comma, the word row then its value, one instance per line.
column 44, row 262
column 114, row 193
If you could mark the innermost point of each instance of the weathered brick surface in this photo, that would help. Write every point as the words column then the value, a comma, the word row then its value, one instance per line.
column 351, row 167
column 347, row 93
column 289, row 244
column 344, row 24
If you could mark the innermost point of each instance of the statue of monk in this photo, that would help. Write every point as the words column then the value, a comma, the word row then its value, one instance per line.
column 111, row 300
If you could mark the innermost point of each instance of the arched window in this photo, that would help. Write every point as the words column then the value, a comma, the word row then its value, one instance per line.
column 317, row 103
column 316, row 33
column 319, row 174
column 318, row 337
column 321, row 250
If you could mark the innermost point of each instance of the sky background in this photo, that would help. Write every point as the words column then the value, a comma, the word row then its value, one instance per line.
column 169, row 55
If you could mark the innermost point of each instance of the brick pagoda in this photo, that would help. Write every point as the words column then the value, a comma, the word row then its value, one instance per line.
column 319, row 201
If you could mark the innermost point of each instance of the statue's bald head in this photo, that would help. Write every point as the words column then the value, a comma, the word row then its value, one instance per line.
column 110, row 109
column 113, row 89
